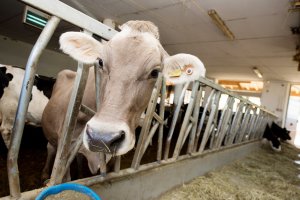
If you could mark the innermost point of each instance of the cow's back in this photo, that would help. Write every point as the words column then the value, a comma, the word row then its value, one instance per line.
column 55, row 111
column 9, row 100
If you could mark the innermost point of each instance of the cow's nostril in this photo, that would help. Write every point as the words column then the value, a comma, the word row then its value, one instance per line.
column 118, row 139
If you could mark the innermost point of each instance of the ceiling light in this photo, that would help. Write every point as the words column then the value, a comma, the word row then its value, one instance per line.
column 35, row 17
column 221, row 24
column 257, row 72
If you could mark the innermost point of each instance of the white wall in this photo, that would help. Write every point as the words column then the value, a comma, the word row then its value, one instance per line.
column 275, row 98
column 14, row 52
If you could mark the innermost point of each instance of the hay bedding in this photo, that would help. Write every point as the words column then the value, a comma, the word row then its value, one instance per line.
column 263, row 175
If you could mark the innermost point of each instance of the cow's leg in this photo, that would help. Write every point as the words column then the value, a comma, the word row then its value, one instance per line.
column 6, row 129
column 51, row 151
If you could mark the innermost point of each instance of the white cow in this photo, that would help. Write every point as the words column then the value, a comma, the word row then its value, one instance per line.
column 11, row 79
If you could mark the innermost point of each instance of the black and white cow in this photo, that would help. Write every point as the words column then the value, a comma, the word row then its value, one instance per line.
column 281, row 133
column 272, row 139
column 11, row 79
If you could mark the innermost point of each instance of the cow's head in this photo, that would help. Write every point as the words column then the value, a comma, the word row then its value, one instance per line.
column 130, row 64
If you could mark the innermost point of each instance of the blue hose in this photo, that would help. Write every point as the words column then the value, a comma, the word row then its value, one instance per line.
column 67, row 186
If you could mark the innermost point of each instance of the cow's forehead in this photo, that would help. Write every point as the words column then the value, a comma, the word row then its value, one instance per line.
column 134, row 40
column 139, row 49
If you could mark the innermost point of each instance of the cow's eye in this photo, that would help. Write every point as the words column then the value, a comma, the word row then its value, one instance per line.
column 154, row 73
column 99, row 63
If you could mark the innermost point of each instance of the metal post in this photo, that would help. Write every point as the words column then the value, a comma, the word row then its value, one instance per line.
column 146, row 125
column 208, row 130
column 244, row 125
column 63, row 150
column 174, row 120
column 235, row 125
column 17, row 132
column 162, row 116
column 223, row 125
column 196, row 117
column 186, row 120
column 203, row 116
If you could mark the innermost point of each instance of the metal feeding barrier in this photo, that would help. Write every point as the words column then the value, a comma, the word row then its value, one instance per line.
column 198, row 128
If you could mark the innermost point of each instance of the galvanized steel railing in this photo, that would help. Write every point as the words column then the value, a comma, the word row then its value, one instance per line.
column 198, row 132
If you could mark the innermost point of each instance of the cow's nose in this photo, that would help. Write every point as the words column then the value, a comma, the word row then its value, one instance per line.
column 106, row 142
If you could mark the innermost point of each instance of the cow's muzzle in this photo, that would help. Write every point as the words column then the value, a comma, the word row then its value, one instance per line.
column 104, row 142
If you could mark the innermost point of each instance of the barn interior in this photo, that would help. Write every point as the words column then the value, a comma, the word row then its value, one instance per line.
column 249, row 47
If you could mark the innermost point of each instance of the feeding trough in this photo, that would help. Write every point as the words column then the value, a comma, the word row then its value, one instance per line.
column 70, row 190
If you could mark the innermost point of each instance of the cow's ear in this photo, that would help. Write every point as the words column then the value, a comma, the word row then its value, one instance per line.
column 182, row 68
column 80, row 46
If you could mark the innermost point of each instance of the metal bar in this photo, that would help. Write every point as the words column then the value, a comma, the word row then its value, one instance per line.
column 86, row 110
column 117, row 164
column 244, row 124
column 186, row 133
column 235, row 126
column 224, row 126
column 102, row 165
column 73, row 153
column 174, row 121
column 252, row 124
column 73, row 16
column 162, row 116
column 186, row 120
column 158, row 118
column 146, row 126
column 17, row 132
column 214, row 108
column 63, row 149
column 149, row 138
column 195, row 117
column 97, row 87
column 97, row 75
column 223, row 90
column 200, row 126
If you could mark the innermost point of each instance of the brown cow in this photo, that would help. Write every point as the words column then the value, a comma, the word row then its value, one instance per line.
column 129, row 63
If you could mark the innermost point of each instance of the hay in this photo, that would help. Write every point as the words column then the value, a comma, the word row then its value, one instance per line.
column 263, row 175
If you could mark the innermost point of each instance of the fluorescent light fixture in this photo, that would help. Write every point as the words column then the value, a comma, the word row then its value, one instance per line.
column 257, row 72
column 35, row 17
column 220, row 24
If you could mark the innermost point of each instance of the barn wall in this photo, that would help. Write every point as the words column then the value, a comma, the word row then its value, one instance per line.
column 13, row 52
column 274, row 98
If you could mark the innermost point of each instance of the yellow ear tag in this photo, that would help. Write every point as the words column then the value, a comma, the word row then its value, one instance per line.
column 175, row 73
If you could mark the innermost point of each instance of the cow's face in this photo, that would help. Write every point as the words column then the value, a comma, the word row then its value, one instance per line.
column 129, row 64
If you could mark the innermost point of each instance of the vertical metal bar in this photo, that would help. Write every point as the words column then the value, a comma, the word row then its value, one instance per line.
column 186, row 133
column 252, row 124
column 196, row 117
column 223, row 125
column 186, row 120
column 200, row 126
column 146, row 126
column 73, row 152
column 244, row 124
column 117, row 164
column 162, row 116
column 207, row 132
column 236, row 123
column 63, row 150
column 98, row 96
column 97, row 87
column 149, row 138
column 174, row 121
column 17, row 132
